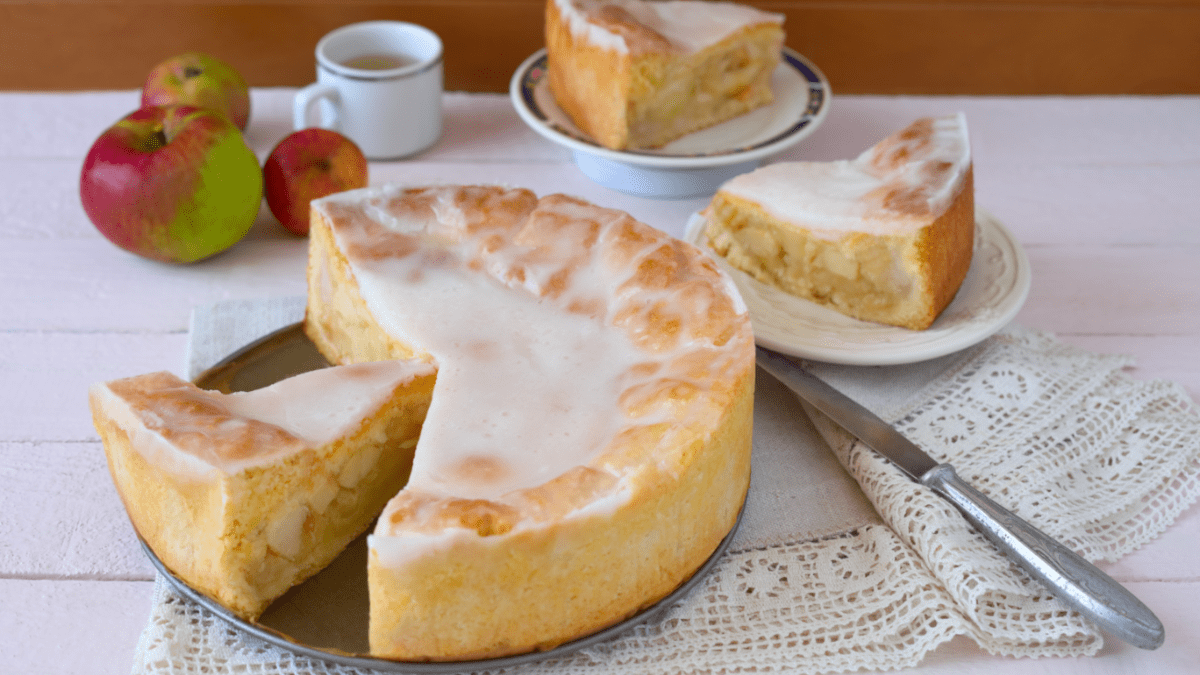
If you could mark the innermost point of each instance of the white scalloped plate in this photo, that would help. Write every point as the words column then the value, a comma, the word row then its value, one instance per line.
column 991, row 295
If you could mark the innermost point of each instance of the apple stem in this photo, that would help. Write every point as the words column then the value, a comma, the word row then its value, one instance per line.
column 192, row 71
column 155, row 140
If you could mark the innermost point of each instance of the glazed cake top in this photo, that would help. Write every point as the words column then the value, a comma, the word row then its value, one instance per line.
column 894, row 188
column 636, row 25
column 566, row 337
column 195, row 432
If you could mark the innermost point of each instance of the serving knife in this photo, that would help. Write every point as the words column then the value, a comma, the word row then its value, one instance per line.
column 1072, row 579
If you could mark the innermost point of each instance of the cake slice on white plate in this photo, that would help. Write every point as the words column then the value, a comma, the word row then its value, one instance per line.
column 885, row 237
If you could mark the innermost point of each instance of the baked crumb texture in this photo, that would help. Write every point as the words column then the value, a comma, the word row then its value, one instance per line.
column 654, row 90
column 240, row 509
column 892, row 246
column 474, row 558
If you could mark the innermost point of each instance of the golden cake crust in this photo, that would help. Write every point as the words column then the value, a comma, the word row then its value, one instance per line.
column 551, row 584
column 650, row 91
column 555, row 560
column 892, row 245
column 583, row 90
column 240, row 509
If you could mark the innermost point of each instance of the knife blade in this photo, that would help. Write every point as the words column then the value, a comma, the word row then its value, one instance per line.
column 1072, row 579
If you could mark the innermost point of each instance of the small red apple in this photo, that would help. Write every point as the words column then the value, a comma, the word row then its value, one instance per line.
column 306, row 165
column 172, row 183
column 199, row 80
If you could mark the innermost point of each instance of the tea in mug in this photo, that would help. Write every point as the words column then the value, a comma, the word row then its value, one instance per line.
column 382, row 61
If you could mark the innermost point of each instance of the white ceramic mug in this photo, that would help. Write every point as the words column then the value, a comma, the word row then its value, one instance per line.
column 380, row 84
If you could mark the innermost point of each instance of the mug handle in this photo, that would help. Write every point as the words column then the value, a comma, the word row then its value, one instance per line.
column 306, row 97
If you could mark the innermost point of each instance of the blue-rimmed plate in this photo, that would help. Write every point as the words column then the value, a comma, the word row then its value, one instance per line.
column 698, row 163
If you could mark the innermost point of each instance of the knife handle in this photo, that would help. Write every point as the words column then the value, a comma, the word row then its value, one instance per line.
column 1072, row 579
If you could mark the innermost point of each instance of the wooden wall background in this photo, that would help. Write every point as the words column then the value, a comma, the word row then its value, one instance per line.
column 864, row 46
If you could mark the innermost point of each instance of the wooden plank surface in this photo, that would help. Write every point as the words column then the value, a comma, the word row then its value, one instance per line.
column 56, row 627
column 865, row 46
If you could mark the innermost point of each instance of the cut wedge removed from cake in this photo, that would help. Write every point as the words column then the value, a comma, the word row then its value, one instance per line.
column 245, row 495
column 588, row 443
column 637, row 74
column 886, row 237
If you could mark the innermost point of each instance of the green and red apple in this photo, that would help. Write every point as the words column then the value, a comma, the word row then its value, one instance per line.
column 172, row 183
column 199, row 80
column 306, row 165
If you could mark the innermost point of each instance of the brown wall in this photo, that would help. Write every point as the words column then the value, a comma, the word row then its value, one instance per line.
column 864, row 46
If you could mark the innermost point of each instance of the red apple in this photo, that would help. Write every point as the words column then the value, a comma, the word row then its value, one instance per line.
column 172, row 183
column 306, row 165
column 199, row 80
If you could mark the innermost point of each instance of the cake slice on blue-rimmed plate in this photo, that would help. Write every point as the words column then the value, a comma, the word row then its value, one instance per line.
column 635, row 74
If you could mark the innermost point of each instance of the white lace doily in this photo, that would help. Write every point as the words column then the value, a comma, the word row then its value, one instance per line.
column 818, row 581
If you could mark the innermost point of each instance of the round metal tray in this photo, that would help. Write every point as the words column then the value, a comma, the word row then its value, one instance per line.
column 326, row 616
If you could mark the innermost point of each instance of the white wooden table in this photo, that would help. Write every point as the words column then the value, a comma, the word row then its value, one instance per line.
column 1104, row 194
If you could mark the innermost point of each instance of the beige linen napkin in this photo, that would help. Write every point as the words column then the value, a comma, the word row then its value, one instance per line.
column 842, row 563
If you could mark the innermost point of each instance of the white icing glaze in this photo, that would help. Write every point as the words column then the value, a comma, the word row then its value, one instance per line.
column 398, row 547
column 573, row 14
column 833, row 199
column 149, row 443
column 311, row 409
column 690, row 25
column 322, row 405
column 510, row 364
column 526, row 388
